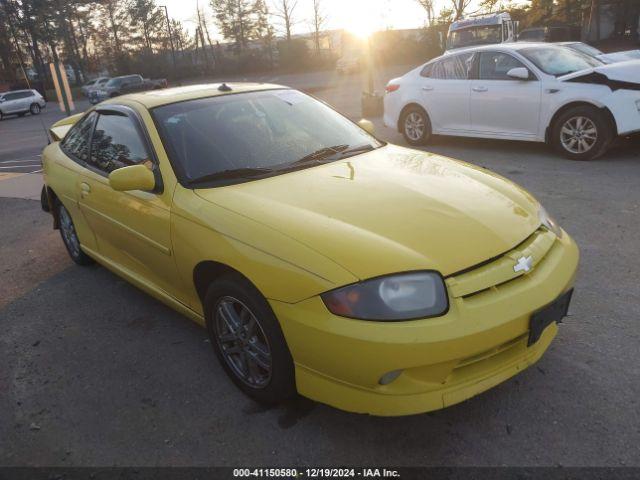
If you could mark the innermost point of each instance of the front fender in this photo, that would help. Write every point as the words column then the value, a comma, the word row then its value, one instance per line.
column 280, row 267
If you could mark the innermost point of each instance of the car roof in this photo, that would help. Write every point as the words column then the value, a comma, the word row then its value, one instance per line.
column 17, row 91
column 506, row 46
column 165, row 96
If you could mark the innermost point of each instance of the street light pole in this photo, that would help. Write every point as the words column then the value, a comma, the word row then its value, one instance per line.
column 173, row 50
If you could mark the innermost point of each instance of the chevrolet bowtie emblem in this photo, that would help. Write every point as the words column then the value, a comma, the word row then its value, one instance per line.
column 524, row 264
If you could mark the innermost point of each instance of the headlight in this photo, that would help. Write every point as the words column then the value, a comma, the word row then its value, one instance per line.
column 548, row 222
column 403, row 296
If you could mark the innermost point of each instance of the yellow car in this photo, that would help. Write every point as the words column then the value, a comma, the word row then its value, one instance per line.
column 323, row 261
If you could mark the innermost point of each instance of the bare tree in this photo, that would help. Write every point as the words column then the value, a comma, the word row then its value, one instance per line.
column 319, row 19
column 428, row 6
column 459, row 6
column 283, row 9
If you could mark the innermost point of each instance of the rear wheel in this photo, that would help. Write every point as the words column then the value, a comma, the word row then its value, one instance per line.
column 70, row 237
column 34, row 109
column 248, row 341
column 582, row 133
column 415, row 126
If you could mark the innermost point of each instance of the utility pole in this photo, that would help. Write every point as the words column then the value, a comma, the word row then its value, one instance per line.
column 173, row 50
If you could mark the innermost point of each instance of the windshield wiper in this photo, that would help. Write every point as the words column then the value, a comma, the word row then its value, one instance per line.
column 367, row 147
column 232, row 174
column 336, row 152
column 320, row 154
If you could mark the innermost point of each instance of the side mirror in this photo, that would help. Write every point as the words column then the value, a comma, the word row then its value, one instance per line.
column 367, row 126
column 519, row 73
column 134, row 177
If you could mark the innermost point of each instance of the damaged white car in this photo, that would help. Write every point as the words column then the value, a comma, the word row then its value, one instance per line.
column 521, row 91
column 611, row 57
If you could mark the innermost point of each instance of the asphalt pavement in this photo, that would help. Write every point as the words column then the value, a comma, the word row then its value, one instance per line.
column 95, row 372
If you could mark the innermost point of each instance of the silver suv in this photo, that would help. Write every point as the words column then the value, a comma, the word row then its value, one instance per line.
column 20, row 102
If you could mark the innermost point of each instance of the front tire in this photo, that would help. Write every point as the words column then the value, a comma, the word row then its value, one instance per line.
column 415, row 126
column 248, row 341
column 70, row 237
column 34, row 109
column 582, row 133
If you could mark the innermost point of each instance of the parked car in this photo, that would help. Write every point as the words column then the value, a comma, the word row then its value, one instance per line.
column 550, row 34
column 349, row 64
column 521, row 91
column 368, row 276
column 611, row 57
column 95, row 84
column 125, row 84
column 21, row 102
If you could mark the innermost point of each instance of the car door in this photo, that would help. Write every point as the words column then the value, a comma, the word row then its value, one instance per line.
column 69, row 158
column 11, row 103
column 132, row 84
column 27, row 99
column 132, row 228
column 444, row 86
column 500, row 105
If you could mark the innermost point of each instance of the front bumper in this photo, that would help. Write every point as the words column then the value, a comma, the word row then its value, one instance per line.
column 478, row 344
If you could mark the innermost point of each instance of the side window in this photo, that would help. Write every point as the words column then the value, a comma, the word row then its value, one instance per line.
column 427, row 70
column 454, row 67
column 76, row 142
column 116, row 143
column 10, row 96
column 495, row 65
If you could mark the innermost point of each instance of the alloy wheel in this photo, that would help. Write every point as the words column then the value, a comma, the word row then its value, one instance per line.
column 242, row 342
column 414, row 126
column 69, row 232
column 578, row 134
column 35, row 109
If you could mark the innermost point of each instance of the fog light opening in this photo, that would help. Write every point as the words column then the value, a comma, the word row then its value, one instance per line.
column 389, row 377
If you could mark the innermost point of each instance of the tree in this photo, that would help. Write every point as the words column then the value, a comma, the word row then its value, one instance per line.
column 284, row 11
column 264, row 29
column 180, row 36
column 445, row 17
column 459, row 6
column 235, row 19
column 428, row 6
column 487, row 6
column 148, row 23
column 319, row 19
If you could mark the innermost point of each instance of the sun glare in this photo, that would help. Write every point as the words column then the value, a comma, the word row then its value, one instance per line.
column 361, row 18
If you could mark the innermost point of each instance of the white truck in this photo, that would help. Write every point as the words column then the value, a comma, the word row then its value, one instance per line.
column 482, row 29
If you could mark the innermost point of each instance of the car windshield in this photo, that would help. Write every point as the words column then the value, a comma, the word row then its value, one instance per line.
column 232, row 138
column 559, row 61
column 584, row 48
column 475, row 36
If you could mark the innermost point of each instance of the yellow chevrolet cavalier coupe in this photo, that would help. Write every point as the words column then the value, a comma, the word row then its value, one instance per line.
column 321, row 260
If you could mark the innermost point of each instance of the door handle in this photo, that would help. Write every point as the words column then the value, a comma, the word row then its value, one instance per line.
column 85, row 189
column 427, row 88
column 479, row 89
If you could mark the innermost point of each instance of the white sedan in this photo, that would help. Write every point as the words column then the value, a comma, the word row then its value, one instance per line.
column 520, row 91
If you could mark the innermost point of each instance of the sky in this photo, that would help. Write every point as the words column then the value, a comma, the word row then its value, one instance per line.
column 349, row 14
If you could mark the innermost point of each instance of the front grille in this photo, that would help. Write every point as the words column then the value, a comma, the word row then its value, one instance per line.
column 500, row 270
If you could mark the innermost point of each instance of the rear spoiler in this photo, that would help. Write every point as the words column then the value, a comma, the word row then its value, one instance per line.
column 59, row 129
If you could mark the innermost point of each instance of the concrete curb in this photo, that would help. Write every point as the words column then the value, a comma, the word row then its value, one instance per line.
column 21, row 185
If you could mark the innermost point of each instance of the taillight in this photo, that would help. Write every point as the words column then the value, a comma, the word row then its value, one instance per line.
column 392, row 87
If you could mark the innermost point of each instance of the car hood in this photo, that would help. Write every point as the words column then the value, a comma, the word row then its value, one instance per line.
column 390, row 210
column 628, row 71
column 620, row 56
